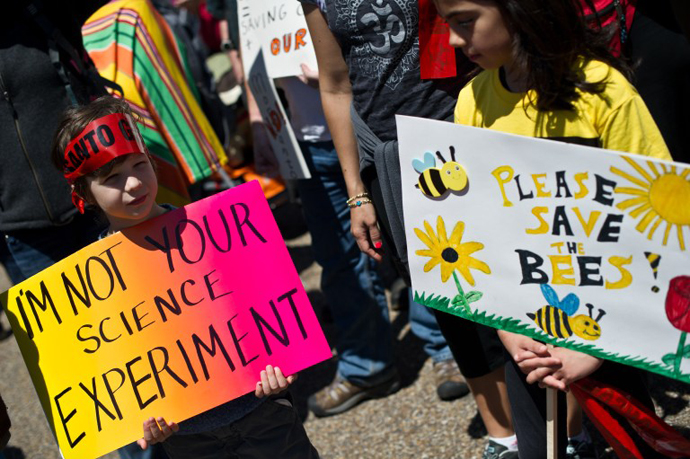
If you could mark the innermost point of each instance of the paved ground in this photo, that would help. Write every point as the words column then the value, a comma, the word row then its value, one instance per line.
column 412, row 423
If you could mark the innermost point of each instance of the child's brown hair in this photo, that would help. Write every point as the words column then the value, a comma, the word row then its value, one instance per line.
column 74, row 120
column 549, row 38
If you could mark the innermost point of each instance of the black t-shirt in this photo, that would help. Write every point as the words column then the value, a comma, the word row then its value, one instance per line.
column 380, row 44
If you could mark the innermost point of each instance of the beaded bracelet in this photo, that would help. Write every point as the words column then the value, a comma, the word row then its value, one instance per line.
column 357, row 196
column 359, row 202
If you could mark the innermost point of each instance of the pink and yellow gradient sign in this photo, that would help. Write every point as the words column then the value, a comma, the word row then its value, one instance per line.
column 169, row 318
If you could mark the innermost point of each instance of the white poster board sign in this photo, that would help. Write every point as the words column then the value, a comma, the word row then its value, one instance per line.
column 281, row 32
column 280, row 133
column 577, row 246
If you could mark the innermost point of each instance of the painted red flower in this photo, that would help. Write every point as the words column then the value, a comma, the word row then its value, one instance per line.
column 678, row 303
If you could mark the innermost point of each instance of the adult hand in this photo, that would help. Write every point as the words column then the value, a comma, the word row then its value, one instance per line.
column 156, row 431
column 366, row 231
column 309, row 76
column 272, row 382
column 528, row 354
column 574, row 366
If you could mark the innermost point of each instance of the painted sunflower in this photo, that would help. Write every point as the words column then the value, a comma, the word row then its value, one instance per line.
column 450, row 253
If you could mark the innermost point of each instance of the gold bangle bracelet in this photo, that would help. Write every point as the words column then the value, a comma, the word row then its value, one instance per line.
column 357, row 196
column 359, row 202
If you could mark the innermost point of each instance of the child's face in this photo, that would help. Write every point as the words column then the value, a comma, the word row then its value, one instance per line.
column 477, row 28
column 127, row 195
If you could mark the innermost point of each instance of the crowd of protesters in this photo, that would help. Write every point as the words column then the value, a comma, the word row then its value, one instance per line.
column 68, row 64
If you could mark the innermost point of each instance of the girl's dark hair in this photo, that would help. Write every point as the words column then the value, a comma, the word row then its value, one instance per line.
column 74, row 120
column 552, row 44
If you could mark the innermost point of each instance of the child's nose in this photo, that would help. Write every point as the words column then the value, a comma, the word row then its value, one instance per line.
column 455, row 40
column 133, row 183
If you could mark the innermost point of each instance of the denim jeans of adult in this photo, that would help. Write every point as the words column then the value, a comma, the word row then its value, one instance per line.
column 349, row 281
column 33, row 250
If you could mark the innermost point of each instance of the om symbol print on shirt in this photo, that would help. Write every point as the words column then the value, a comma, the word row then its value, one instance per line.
column 386, row 30
column 386, row 24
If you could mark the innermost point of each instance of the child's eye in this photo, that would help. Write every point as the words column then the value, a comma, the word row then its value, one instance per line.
column 140, row 163
column 111, row 178
column 464, row 22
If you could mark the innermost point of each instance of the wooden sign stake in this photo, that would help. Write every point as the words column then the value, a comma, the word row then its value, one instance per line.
column 551, row 423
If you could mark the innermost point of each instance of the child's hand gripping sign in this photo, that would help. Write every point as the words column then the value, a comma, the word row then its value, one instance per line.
column 167, row 318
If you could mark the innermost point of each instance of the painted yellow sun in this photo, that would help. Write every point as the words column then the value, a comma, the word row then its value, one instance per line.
column 660, row 197
column 451, row 253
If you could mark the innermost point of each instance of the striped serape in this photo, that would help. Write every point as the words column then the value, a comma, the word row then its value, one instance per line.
column 132, row 45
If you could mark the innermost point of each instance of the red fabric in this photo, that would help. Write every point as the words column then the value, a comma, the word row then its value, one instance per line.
column 436, row 56
column 610, row 429
column 209, row 29
column 629, row 9
column 78, row 202
column 597, row 399
column 100, row 142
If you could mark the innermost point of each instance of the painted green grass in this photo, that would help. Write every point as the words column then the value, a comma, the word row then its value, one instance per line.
column 516, row 326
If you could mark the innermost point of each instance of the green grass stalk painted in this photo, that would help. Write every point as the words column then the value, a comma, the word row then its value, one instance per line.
column 461, row 294
column 679, row 353
column 516, row 326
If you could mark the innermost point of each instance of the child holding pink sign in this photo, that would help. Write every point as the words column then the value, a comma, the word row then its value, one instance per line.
column 103, row 157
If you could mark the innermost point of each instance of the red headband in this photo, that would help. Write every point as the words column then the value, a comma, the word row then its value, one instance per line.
column 100, row 142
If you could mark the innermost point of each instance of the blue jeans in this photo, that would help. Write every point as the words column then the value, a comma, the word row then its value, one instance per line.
column 350, row 281
column 33, row 250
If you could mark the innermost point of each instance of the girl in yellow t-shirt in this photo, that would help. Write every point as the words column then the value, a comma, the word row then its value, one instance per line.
column 547, row 75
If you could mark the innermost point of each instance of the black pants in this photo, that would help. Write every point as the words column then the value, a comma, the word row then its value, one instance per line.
column 272, row 430
column 528, row 405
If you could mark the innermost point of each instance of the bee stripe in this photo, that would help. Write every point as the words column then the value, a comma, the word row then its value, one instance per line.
column 547, row 321
column 566, row 324
column 557, row 318
column 425, row 187
column 438, row 182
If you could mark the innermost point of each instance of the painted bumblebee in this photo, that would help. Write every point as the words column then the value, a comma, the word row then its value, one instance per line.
column 556, row 318
column 435, row 182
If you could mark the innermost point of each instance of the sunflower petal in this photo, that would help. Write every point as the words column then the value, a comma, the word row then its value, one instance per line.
column 431, row 264
column 430, row 232
column 479, row 265
column 469, row 247
column 446, row 271
column 427, row 253
column 465, row 271
column 425, row 239
column 441, row 228
column 456, row 235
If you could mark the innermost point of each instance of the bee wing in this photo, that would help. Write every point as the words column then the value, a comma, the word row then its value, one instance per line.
column 422, row 165
column 570, row 304
column 549, row 294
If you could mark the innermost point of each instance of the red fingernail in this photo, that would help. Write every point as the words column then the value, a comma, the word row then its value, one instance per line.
column 378, row 244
